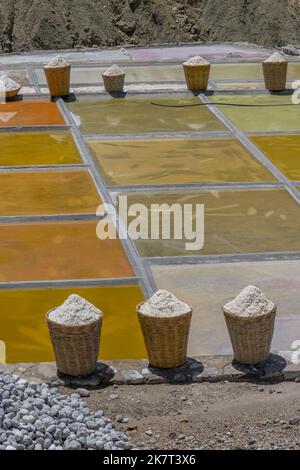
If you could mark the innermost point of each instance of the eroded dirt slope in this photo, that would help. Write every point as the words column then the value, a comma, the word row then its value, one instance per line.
column 43, row 24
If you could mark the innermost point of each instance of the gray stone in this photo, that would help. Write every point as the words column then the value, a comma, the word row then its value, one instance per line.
column 113, row 396
column 47, row 371
column 132, row 377
column 28, row 419
column 295, row 420
column 83, row 392
column 211, row 374
column 72, row 445
column 99, row 445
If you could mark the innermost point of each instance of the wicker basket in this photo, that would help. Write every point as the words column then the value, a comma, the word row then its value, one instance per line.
column 275, row 74
column 76, row 348
column 58, row 79
column 10, row 93
column 251, row 337
column 166, row 338
column 197, row 76
column 113, row 83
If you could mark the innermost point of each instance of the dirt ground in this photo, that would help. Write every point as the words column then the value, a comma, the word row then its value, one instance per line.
column 204, row 416
column 65, row 24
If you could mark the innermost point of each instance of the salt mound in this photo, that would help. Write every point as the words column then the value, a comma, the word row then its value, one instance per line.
column 276, row 58
column 56, row 62
column 8, row 84
column 113, row 70
column 251, row 302
column 164, row 304
column 75, row 311
column 197, row 60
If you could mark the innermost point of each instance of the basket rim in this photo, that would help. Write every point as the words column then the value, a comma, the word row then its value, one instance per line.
column 113, row 76
column 71, row 326
column 196, row 65
column 249, row 319
column 64, row 67
column 139, row 305
column 282, row 64
column 15, row 90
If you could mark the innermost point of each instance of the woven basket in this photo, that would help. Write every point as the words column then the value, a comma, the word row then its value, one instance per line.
column 275, row 74
column 10, row 93
column 76, row 348
column 166, row 338
column 58, row 79
column 113, row 83
column 196, row 76
column 251, row 337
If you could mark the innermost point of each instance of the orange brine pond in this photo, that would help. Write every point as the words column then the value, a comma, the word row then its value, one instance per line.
column 47, row 192
column 38, row 148
column 24, row 331
column 60, row 250
column 30, row 113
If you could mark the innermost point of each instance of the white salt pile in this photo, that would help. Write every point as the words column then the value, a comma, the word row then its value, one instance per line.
column 113, row 70
column 250, row 302
column 276, row 58
column 56, row 62
column 75, row 311
column 8, row 84
column 197, row 60
column 164, row 304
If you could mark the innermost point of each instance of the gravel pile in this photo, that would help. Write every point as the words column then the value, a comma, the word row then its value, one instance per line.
column 36, row 417
column 164, row 304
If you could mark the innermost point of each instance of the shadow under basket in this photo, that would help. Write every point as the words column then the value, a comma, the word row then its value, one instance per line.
column 76, row 348
column 251, row 337
column 58, row 79
column 196, row 76
column 166, row 338
column 275, row 75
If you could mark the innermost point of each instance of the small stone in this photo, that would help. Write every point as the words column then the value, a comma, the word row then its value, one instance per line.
column 92, row 424
column 83, row 392
column 29, row 419
column 122, row 419
column 113, row 396
column 132, row 377
column 295, row 420
column 99, row 445
column 72, row 445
